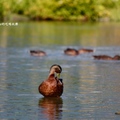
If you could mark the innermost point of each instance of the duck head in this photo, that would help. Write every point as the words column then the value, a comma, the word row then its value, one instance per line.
column 116, row 57
column 56, row 70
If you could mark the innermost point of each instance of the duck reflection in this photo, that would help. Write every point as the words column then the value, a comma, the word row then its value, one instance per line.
column 51, row 107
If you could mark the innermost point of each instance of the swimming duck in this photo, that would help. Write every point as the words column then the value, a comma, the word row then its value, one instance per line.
column 83, row 50
column 71, row 51
column 116, row 57
column 53, row 85
column 117, row 113
column 106, row 57
column 37, row 53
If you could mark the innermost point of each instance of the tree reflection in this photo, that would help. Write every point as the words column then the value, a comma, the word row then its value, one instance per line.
column 51, row 107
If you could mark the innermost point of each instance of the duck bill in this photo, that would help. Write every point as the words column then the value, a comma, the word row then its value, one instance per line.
column 58, row 75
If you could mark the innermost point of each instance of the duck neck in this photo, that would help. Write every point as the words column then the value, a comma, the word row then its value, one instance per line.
column 52, row 72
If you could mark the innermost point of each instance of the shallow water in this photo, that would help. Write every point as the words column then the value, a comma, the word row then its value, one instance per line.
column 91, row 87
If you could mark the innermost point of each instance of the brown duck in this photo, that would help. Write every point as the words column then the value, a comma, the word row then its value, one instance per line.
column 37, row 53
column 53, row 85
column 106, row 57
column 71, row 51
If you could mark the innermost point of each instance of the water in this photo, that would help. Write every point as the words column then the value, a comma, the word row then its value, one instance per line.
column 91, row 87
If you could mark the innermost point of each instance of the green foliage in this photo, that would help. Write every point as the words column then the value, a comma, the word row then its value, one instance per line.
column 4, row 9
column 83, row 10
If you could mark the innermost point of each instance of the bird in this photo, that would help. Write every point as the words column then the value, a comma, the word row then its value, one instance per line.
column 53, row 85
column 117, row 113
column 83, row 50
column 106, row 57
column 71, row 51
column 116, row 57
column 37, row 53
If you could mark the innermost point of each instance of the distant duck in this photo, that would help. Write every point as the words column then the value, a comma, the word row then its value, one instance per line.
column 53, row 85
column 106, row 57
column 83, row 50
column 117, row 113
column 116, row 57
column 37, row 53
column 71, row 51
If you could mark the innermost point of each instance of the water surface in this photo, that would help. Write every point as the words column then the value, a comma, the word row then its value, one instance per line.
column 91, row 87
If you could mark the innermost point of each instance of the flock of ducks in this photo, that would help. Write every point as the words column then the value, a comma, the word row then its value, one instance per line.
column 53, row 86
column 75, row 52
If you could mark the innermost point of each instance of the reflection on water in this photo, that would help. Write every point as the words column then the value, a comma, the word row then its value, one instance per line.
column 91, row 87
column 51, row 108
column 60, row 33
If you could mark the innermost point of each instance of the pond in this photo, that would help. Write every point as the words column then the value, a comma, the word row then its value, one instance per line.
column 91, row 87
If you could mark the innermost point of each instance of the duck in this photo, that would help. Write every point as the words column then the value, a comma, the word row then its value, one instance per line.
column 116, row 57
column 117, row 113
column 106, row 57
column 71, row 51
column 83, row 50
column 37, row 53
column 53, row 85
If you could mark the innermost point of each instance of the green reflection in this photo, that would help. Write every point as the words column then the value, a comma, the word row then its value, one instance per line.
column 60, row 33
